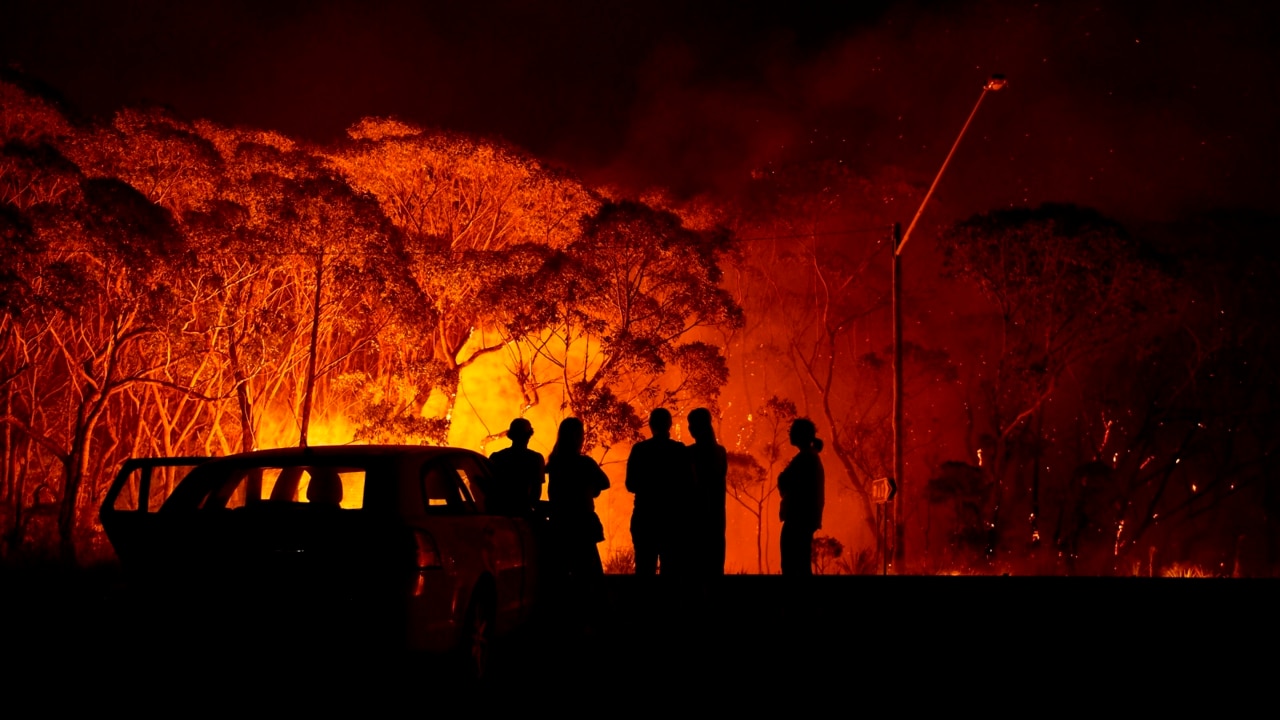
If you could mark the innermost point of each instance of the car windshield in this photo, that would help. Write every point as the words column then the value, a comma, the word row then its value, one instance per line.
column 325, row 485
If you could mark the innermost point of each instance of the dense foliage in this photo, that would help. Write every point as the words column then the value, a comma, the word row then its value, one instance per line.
column 183, row 288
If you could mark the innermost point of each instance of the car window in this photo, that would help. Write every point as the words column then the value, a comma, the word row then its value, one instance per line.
column 476, row 478
column 154, row 484
column 341, row 487
column 443, row 491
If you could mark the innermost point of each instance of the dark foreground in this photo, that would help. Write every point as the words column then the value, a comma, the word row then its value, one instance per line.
column 917, row 639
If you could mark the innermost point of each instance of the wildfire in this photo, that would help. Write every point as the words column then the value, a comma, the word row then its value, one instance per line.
column 180, row 288
column 1178, row 570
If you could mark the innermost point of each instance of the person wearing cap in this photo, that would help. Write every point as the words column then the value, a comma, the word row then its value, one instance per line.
column 519, row 472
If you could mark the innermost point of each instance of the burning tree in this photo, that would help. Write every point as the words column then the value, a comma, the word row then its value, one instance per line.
column 1180, row 427
column 1066, row 284
column 965, row 490
column 159, row 155
column 174, row 287
column 97, row 303
column 618, row 314
column 345, row 258
column 751, row 484
column 464, row 207
column 815, row 285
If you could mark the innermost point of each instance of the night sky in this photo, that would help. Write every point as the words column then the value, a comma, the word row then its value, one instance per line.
column 1145, row 110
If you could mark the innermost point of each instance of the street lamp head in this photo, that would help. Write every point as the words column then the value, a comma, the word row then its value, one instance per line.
column 995, row 82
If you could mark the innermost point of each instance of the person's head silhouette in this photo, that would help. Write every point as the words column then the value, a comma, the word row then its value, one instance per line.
column 520, row 431
column 570, row 437
column 325, row 487
column 660, row 422
column 804, row 435
column 700, row 425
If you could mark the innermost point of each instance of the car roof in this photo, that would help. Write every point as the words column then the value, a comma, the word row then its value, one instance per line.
column 348, row 453
column 209, row 473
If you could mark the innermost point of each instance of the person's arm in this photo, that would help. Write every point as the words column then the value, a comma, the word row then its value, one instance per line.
column 820, row 482
column 691, row 479
column 599, row 480
column 540, row 477
column 632, row 481
column 602, row 477
column 551, row 488
column 786, row 478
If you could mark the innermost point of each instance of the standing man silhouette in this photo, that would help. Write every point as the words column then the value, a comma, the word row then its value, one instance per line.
column 660, row 475
column 801, row 487
column 710, row 470
column 518, row 472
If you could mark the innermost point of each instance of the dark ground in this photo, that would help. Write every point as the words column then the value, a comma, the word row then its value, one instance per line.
column 934, row 640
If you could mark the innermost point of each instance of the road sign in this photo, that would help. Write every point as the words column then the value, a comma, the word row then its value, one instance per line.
column 883, row 489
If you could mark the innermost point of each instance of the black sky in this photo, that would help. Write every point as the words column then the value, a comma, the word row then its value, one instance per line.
column 1146, row 110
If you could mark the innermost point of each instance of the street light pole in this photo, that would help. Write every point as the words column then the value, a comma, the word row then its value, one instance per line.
column 995, row 82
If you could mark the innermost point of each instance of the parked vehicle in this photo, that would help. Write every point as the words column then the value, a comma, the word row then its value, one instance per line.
column 375, row 542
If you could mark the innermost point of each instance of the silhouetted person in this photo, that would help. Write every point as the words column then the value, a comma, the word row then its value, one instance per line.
column 574, row 482
column 518, row 473
column 324, row 488
column 660, row 475
column 710, row 470
column 800, row 485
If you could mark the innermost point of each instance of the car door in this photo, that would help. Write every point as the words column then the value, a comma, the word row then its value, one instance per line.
column 452, row 550
column 507, row 541
column 129, row 510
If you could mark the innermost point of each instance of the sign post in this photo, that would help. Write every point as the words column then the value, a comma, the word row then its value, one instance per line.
column 882, row 492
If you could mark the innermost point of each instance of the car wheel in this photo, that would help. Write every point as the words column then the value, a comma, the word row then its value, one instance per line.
column 477, row 639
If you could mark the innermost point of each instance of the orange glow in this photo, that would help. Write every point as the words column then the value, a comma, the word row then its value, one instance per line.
column 186, row 289
column 1179, row 570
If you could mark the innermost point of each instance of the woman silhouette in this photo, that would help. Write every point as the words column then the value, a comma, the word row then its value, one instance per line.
column 710, row 469
column 800, row 485
column 574, row 482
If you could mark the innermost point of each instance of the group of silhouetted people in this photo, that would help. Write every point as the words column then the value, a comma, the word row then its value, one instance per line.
column 678, row 520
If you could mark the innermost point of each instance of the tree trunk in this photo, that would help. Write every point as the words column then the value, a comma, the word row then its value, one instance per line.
column 248, row 438
column 760, row 539
column 6, row 446
column 1036, row 450
column 73, row 471
column 311, row 360
column 997, row 471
